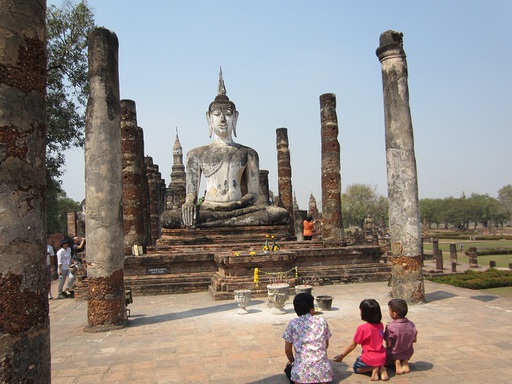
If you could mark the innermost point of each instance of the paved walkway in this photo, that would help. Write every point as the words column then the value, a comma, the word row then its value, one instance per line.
column 464, row 336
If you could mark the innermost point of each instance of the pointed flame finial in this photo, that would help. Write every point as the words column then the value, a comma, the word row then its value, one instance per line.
column 221, row 90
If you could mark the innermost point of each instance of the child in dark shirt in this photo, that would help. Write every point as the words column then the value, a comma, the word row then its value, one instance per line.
column 399, row 336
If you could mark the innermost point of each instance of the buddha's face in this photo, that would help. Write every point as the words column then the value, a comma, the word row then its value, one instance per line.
column 222, row 120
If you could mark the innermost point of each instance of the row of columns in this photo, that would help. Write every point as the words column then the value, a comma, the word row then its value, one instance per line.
column 25, row 344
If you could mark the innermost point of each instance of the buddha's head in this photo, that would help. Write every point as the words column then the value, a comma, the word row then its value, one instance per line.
column 222, row 114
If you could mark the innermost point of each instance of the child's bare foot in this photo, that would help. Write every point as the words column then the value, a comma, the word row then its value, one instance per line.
column 398, row 367
column 383, row 373
column 375, row 374
column 405, row 366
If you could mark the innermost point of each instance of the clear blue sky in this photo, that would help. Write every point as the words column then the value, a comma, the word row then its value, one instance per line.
column 278, row 57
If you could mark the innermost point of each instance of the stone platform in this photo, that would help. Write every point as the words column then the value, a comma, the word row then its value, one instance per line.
column 222, row 235
column 222, row 267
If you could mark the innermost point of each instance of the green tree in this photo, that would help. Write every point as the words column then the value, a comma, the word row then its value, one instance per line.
column 430, row 211
column 505, row 201
column 484, row 209
column 360, row 200
column 57, row 218
column 68, row 27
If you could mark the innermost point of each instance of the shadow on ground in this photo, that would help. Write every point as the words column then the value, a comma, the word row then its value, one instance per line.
column 141, row 319
column 438, row 295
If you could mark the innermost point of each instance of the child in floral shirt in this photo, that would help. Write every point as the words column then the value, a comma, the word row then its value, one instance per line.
column 309, row 336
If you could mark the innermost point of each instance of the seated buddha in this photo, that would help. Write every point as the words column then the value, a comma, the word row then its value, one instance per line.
column 231, row 172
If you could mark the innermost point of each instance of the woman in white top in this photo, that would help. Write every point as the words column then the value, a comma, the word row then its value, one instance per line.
column 63, row 262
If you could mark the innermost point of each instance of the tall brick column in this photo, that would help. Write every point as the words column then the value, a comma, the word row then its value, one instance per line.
column 104, row 187
column 284, row 175
column 144, row 188
column 24, row 323
column 133, row 177
column 154, row 198
column 332, row 228
column 404, row 220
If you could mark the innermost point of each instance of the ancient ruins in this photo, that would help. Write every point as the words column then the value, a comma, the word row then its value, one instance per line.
column 216, row 242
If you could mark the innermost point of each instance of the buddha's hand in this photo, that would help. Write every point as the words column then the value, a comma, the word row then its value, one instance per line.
column 245, row 201
column 188, row 214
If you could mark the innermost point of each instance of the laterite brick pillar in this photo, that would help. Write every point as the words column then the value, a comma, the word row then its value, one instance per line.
column 134, row 175
column 332, row 228
column 104, row 187
column 24, row 322
column 404, row 220
column 284, row 175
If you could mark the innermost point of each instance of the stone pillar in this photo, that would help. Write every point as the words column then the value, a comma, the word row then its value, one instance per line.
column 71, row 224
column 284, row 175
column 144, row 188
column 435, row 245
column 473, row 261
column 438, row 257
column 153, row 186
column 263, row 197
column 404, row 221
column 133, row 177
column 106, row 307
column 24, row 322
column 453, row 253
column 332, row 228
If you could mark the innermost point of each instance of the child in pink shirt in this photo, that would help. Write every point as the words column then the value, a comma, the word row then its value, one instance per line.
column 400, row 335
column 369, row 336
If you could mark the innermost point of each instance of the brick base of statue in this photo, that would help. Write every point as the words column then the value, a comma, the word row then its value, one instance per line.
column 223, row 235
column 223, row 268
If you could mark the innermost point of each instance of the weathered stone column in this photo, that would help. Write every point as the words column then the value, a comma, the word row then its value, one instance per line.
column 284, row 175
column 404, row 221
column 473, row 260
column 332, row 228
column 263, row 197
column 438, row 257
column 154, row 199
column 133, row 177
column 104, row 187
column 435, row 244
column 453, row 253
column 144, row 188
column 24, row 323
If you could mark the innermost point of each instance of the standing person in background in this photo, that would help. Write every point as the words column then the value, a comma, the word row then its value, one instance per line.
column 309, row 226
column 49, row 254
column 63, row 262
column 78, row 246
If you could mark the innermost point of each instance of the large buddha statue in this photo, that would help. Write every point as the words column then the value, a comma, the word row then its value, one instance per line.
column 231, row 172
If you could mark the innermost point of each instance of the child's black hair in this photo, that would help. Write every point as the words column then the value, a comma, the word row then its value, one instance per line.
column 399, row 306
column 303, row 303
column 370, row 311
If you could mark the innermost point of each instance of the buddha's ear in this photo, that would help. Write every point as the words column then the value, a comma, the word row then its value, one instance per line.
column 235, row 119
column 210, row 125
